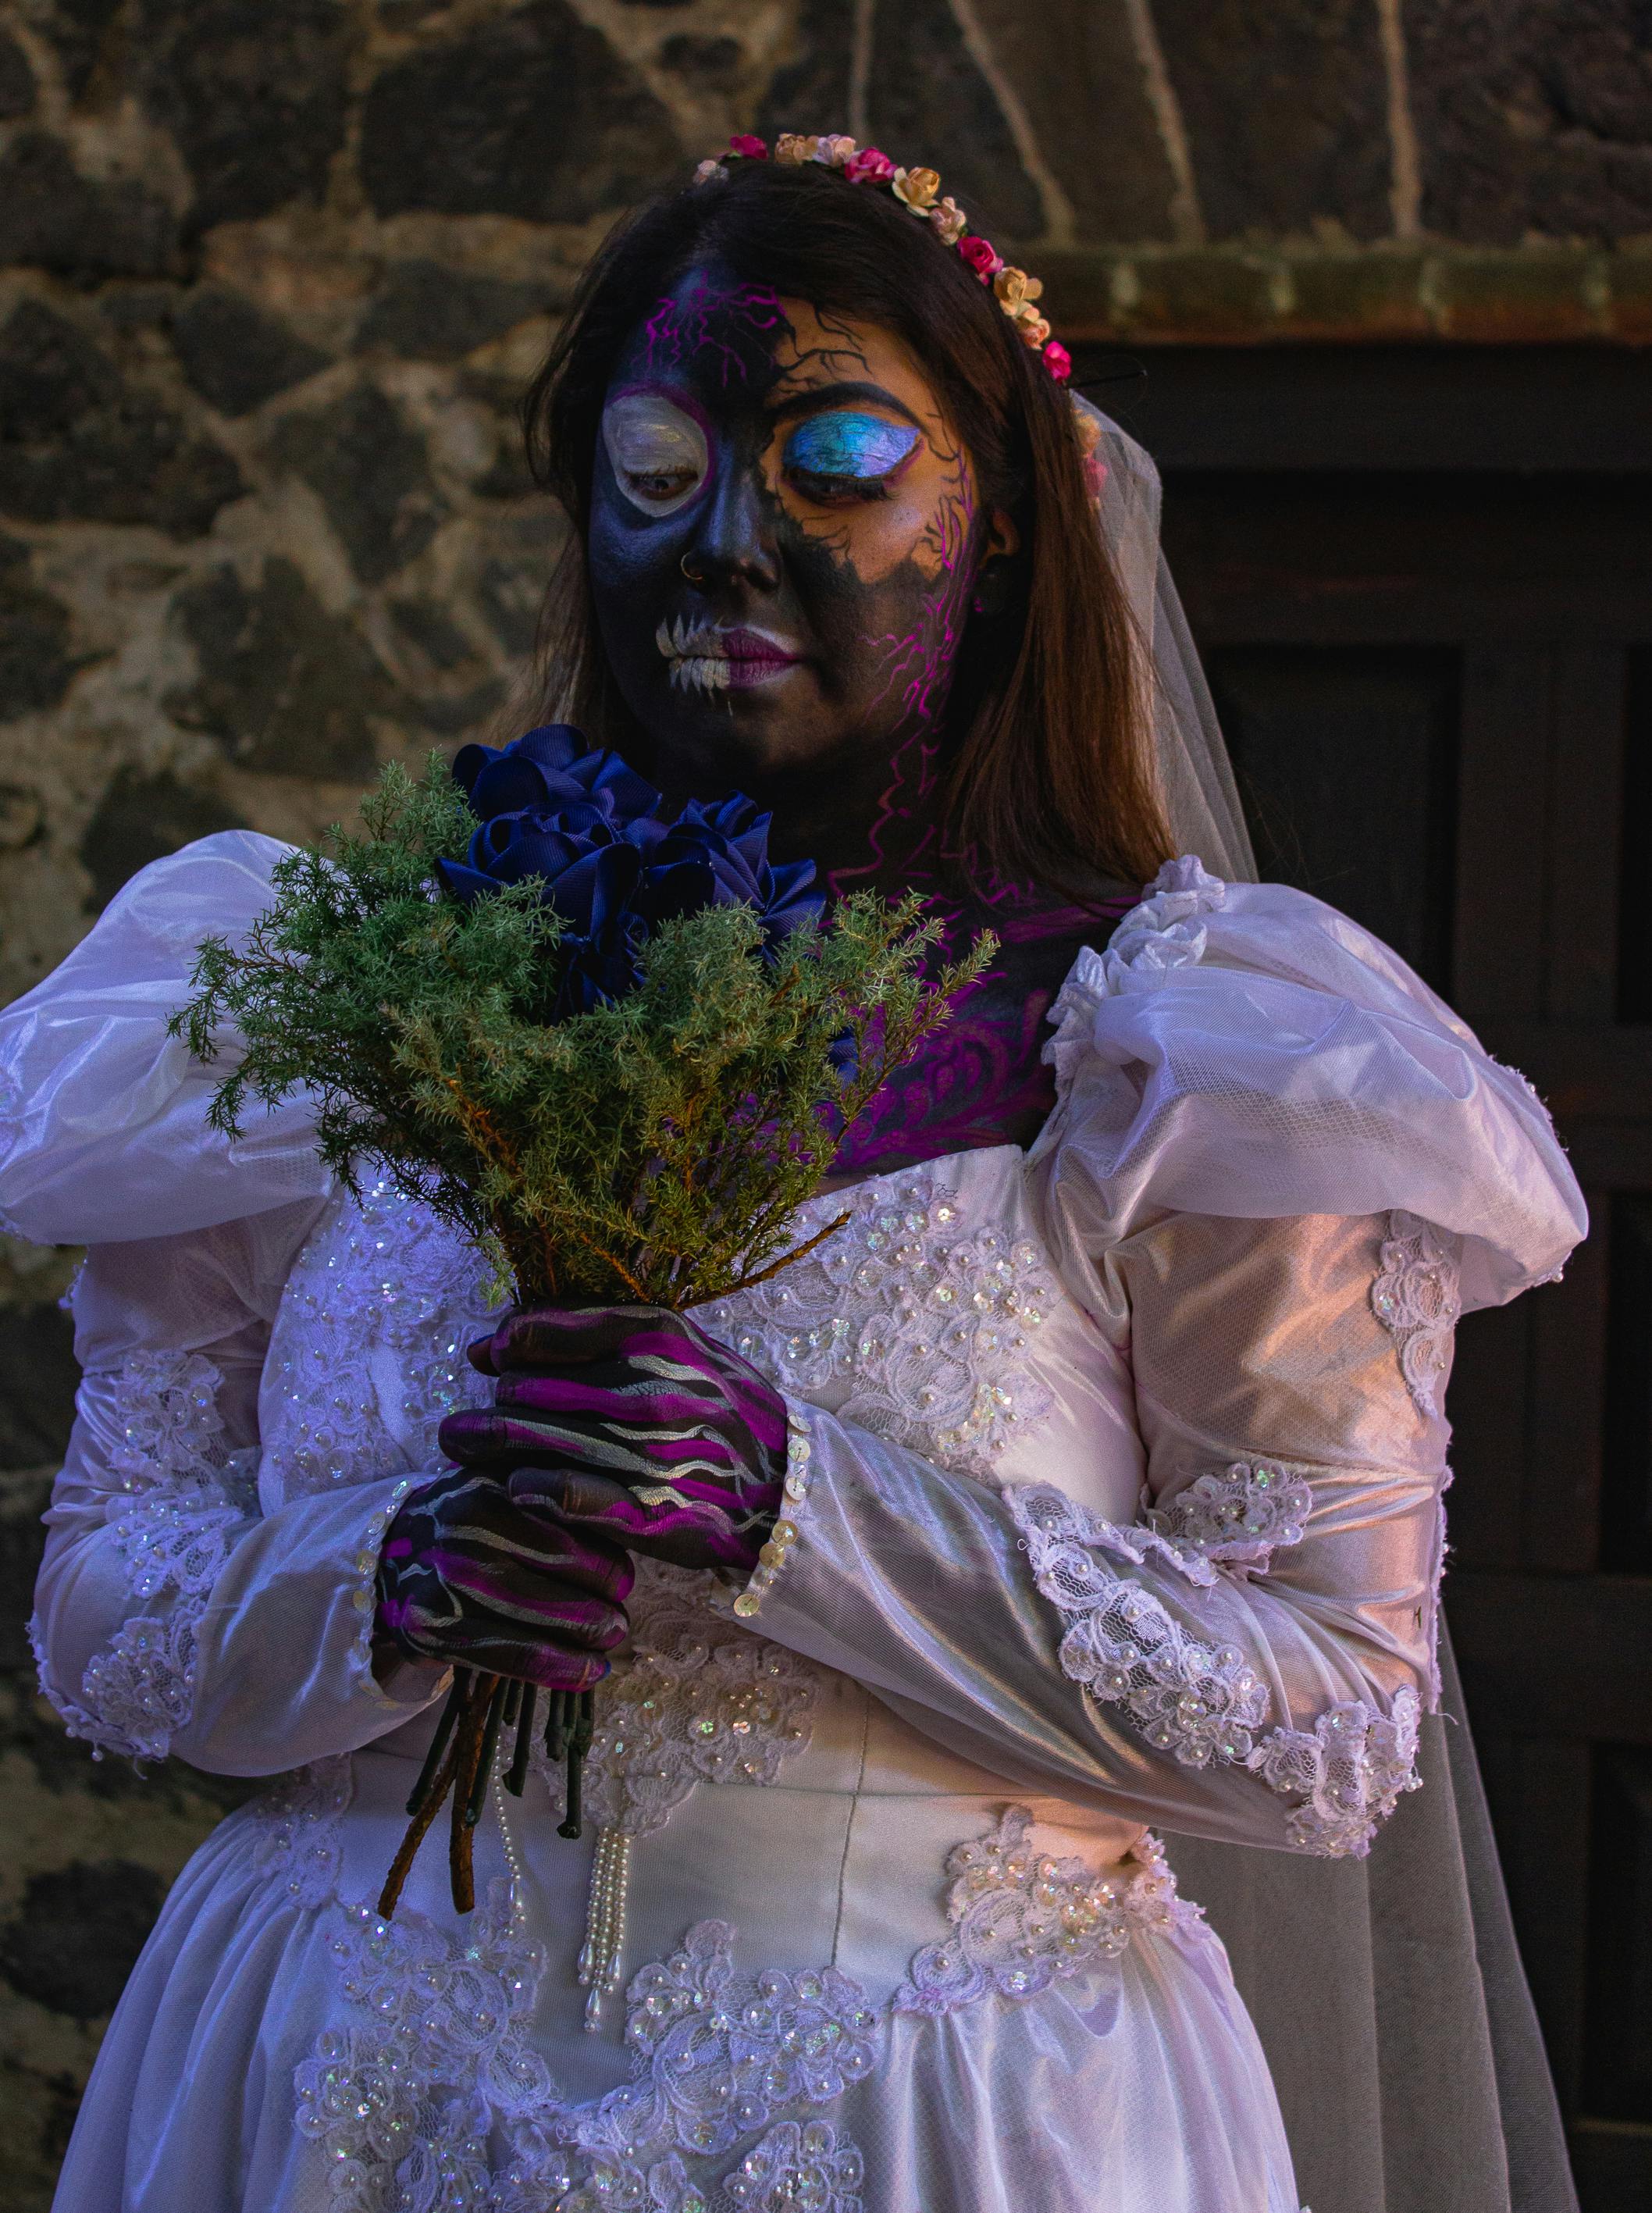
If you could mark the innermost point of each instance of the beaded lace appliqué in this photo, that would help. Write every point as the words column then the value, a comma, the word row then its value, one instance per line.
column 435, row 2098
column 1022, row 1920
column 1416, row 1299
column 1202, row 1703
column 926, row 1321
column 695, row 1699
column 176, row 1502
column 1237, row 1516
column 382, row 1272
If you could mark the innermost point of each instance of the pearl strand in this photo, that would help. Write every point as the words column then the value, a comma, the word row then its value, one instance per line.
column 513, row 1858
column 785, row 1534
column 605, row 1922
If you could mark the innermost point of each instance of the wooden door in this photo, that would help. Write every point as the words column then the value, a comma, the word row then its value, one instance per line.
column 1422, row 581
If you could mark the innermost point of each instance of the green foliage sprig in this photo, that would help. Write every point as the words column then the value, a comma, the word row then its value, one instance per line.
column 654, row 1149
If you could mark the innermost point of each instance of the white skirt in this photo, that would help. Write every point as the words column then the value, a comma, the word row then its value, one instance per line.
column 802, row 2025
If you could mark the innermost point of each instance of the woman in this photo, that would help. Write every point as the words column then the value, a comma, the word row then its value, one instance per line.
column 1089, row 1477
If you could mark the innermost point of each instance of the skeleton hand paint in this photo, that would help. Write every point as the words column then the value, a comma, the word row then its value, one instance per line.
column 465, row 1575
column 631, row 1425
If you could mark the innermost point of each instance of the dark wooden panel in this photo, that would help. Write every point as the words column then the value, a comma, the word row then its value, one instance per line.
column 1613, row 2161
column 1350, row 560
column 1497, row 949
column 1618, row 2042
column 1536, row 410
column 1488, row 1402
column 1568, row 1655
column 1585, row 796
column 1324, row 742
column 1626, row 1489
column 1560, row 1505
column 1635, row 876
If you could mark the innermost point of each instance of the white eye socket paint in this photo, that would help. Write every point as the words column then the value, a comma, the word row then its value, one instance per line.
column 658, row 452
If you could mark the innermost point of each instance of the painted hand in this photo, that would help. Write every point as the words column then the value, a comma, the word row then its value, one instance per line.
column 629, row 1424
column 467, row 1576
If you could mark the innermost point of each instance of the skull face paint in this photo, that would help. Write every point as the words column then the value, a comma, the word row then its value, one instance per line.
column 783, row 543
column 784, row 537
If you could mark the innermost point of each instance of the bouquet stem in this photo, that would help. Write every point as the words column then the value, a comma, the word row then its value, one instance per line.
column 460, row 1760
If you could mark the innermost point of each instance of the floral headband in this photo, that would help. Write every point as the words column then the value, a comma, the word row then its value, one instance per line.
column 919, row 191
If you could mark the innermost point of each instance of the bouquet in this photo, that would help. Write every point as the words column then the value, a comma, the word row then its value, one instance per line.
column 617, row 1049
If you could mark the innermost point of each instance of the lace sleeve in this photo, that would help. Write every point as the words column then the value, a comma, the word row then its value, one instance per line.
column 1248, row 1660
column 166, row 1593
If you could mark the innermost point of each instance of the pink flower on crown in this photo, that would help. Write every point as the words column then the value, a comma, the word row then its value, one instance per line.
column 981, row 258
column 949, row 219
column 870, row 167
column 708, row 169
column 1033, row 326
column 749, row 148
column 834, row 149
column 1059, row 362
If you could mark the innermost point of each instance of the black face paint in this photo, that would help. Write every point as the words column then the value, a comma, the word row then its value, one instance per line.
column 761, row 634
column 782, row 551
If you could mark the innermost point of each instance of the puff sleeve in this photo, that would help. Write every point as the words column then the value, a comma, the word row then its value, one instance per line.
column 174, row 1613
column 1274, row 1192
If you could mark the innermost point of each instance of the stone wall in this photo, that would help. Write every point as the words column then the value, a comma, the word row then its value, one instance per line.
column 271, row 275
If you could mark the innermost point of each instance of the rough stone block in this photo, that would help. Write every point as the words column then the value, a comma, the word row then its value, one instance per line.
column 932, row 107
column 1630, row 310
column 1534, row 117
column 1286, row 113
column 234, row 355
column 441, row 314
column 77, row 1934
column 531, row 114
column 809, row 91
column 1359, row 297
column 254, row 94
column 1518, row 298
column 367, row 467
column 77, row 443
column 38, row 1380
column 139, row 818
column 1210, row 295
column 35, row 662
column 286, row 688
column 708, row 64
column 54, row 218
column 1075, row 66
column 75, row 29
column 16, row 81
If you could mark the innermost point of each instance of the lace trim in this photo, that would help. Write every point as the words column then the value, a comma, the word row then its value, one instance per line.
column 1350, row 1773
column 1237, row 1516
column 1202, row 1703
column 926, row 1322
column 1416, row 1297
column 401, row 2102
column 1022, row 1920
column 165, row 1405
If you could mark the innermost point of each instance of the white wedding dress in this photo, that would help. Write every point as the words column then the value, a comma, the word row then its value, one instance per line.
column 1117, row 1473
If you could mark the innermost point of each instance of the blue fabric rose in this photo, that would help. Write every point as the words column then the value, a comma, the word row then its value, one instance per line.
column 612, row 865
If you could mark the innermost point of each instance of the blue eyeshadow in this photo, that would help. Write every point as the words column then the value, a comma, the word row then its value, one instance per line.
column 843, row 444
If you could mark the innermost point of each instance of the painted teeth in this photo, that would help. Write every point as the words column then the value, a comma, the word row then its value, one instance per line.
column 703, row 671
column 681, row 640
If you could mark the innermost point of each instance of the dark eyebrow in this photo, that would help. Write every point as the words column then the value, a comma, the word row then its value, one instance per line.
column 818, row 397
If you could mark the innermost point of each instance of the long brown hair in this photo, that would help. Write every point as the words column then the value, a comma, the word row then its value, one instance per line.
column 1049, row 751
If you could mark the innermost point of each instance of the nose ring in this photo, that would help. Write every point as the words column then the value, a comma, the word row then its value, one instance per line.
column 695, row 575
